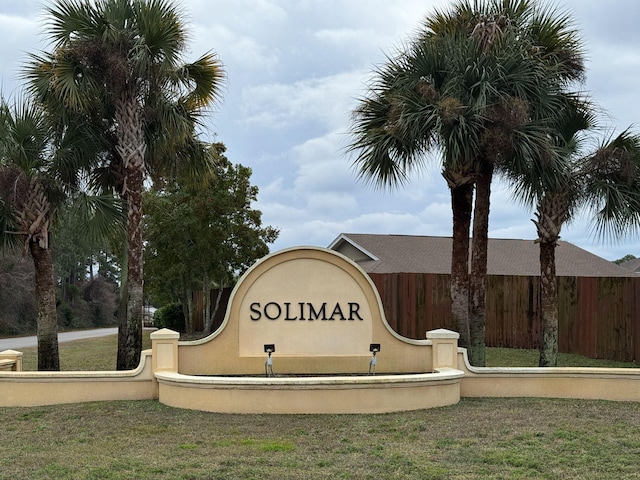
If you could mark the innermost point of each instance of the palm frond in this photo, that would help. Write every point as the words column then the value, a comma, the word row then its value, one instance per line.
column 68, row 18
column 203, row 80
column 557, row 41
column 25, row 135
column 612, row 185
column 162, row 33
column 100, row 216
column 106, row 50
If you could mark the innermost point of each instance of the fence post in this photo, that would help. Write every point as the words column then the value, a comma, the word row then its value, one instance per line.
column 164, row 350
column 444, row 348
column 14, row 356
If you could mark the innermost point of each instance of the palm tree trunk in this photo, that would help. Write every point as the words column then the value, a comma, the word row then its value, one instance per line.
column 549, row 294
column 552, row 211
column 135, row 304
column 478, row 276
column 47, row 320
column 131, row 148
column 461, row 202
column 121, row 362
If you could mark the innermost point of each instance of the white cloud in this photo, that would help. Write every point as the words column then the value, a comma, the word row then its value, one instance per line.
column 19, row 36
column 322, row 167
column 326, row 205
column 343, row 36
column 437, row 219
column 237, row 52
column 324, row 102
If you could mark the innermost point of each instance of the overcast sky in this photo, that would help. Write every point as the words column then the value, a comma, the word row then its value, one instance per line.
column 295, row 69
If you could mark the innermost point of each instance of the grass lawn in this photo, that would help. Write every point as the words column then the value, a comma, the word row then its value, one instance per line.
column 92, row 354
column 514, row 357
column 475, row 439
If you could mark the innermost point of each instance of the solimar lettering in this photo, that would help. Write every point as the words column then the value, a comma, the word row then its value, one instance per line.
column 305, row 311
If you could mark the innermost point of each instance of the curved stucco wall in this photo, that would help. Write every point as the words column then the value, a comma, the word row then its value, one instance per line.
column 334, row 395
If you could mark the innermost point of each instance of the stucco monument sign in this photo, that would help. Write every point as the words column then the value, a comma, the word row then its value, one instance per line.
column 319, row 311
column 301, row 335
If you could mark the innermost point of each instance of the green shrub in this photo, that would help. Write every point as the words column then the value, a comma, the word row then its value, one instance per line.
column 171, row 317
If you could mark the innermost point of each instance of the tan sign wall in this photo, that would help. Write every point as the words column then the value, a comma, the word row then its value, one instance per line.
column 318, row 308
column 307, row 307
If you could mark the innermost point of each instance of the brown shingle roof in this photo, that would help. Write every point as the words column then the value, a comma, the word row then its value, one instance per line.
column 409, row 253
column 632, row 265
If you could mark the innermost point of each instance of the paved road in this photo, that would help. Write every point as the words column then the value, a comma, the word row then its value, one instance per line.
column 15, row 343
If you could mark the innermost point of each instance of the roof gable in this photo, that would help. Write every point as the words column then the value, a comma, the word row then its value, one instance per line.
column 351, row 249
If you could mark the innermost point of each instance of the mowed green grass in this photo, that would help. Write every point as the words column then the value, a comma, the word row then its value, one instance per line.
column 91, row 354
column 475, row 439
column 514, row 357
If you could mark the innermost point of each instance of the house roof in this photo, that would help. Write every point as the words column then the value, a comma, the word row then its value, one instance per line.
column 421, row 254
column 632, row 265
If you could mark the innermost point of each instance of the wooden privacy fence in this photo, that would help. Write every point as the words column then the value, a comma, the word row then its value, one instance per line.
column 599, row 317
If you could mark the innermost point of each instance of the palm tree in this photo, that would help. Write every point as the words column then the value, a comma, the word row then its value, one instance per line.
column 477, row 83
column 119, row 62
column 29, row 201
column 39, row 171
column 605, row 182
column 413, row 109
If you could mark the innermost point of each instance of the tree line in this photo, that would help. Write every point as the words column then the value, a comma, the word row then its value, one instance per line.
column 86, row 285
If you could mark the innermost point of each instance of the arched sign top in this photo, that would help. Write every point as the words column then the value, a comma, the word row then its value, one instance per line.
column 307, row 301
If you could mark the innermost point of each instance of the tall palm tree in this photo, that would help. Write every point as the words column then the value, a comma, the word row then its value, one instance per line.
column 606, row 183
column 555, row 188
column 477, row 83
column 414, row 109
column 39, row 172
column 120, row 62
column 29, row 199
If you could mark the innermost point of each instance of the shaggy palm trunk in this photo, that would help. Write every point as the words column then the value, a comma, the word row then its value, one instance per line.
column 47, row 320
column 549, row 294
column 133, row 345
column 461, row 202
column 121, row 362
column 550, row 216
column 132, row 147
column 478, row 276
